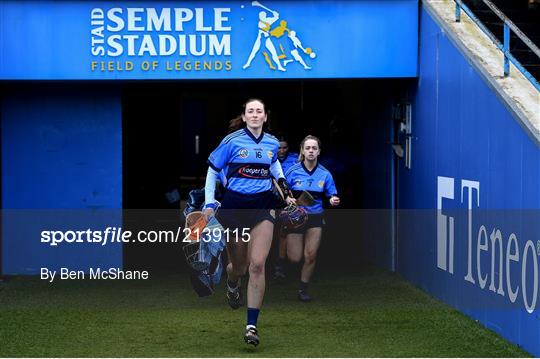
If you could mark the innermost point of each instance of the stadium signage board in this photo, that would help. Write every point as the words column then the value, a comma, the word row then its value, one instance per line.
column 512, row 264
column 207, row 40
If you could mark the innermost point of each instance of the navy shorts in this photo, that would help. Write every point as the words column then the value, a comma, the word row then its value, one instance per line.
column 239, row 210
column 314, row 220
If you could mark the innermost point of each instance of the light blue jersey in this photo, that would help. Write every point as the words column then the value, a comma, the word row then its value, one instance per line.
column 247, row 161
column 318, row 183
column 287, row 162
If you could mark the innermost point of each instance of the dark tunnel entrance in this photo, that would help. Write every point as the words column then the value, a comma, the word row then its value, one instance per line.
column 169, row 129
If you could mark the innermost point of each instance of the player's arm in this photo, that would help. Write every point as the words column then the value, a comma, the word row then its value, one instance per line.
column 209, row 191
column 277, row 172
column 331, row 191
column 216, row 162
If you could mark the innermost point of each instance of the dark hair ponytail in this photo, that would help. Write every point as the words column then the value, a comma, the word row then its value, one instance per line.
column 236, row 124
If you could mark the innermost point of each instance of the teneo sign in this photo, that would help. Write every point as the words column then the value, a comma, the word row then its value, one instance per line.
column 505, row 251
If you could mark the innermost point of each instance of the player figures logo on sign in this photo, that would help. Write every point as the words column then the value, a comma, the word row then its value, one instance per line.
column 289, row 48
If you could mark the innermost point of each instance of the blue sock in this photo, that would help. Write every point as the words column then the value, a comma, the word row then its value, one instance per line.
column 252, row 316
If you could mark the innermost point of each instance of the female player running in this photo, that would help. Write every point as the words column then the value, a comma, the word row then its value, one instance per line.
column 309, row 175
column 250, row 157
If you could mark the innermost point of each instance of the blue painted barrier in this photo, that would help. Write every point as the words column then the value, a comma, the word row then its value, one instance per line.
column 469, row 206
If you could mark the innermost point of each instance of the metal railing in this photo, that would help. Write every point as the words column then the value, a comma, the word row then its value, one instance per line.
column 504, row 47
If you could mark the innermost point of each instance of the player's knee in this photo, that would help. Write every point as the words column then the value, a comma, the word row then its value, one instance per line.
column 256, row 269
column 309, row 257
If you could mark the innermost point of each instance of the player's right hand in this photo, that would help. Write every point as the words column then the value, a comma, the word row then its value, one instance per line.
column 208, row 213
column 290, row 200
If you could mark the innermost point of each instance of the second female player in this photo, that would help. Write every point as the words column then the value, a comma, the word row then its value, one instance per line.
column 309, row 175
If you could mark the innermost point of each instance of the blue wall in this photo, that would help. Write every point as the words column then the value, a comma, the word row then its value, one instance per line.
column 61, row 169
column 462, row 131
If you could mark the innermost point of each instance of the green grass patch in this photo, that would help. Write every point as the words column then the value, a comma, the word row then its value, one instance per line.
column 363, row 313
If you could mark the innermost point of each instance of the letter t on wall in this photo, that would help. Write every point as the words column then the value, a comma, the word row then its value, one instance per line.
column 470, row 185
column 445, row 226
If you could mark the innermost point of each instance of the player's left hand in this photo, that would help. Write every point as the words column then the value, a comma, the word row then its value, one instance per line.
column 334, row 201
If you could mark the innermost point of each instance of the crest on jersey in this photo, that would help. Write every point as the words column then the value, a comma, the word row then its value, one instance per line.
column 321, row 184
column 270, row 154
column 244, row 153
